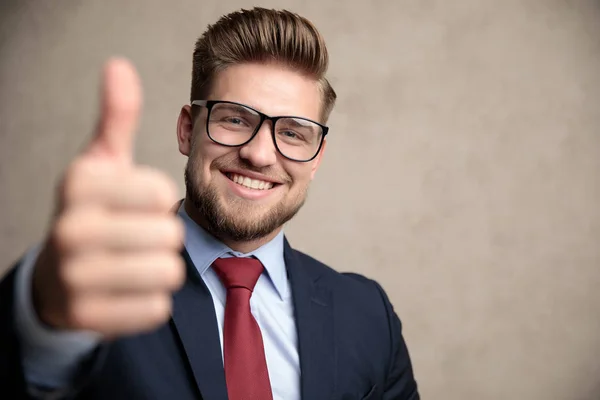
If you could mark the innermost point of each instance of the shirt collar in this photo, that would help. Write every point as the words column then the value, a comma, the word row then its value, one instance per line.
column 204, row 249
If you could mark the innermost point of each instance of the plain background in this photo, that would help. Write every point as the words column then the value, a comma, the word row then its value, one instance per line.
column 462, row 170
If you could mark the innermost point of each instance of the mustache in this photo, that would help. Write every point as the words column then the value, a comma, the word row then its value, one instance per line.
column 244, row 165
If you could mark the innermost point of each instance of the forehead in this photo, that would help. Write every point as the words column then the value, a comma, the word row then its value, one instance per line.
column 270, row 88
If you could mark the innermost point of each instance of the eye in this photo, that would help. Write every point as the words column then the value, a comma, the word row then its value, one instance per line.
column 290, row 134
column 234, row 120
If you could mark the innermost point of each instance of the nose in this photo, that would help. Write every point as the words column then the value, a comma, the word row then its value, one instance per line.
column 260, row 151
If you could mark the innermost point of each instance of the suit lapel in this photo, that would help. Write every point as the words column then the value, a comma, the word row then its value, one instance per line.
column 196, row 324
column 314, row 323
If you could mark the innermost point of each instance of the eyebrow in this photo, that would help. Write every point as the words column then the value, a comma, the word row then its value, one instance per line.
column 259, row 109
column 237, row 107
column 302, row 122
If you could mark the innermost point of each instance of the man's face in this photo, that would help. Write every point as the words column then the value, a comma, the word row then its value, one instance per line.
column 229, row 210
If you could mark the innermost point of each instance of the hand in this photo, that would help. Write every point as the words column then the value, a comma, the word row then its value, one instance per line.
column 111, row 259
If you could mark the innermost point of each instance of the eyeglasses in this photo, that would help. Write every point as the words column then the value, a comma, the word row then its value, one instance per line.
column 234, row 124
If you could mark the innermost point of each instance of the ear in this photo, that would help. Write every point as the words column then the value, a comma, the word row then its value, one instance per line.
column 185, row 130
column 317, row 160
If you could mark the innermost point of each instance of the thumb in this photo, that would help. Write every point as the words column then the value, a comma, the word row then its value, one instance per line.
column 119, row 112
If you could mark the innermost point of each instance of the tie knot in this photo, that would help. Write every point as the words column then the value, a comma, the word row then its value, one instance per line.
column 238, row 272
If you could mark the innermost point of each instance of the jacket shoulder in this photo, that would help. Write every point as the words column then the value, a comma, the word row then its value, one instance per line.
column 358, row 286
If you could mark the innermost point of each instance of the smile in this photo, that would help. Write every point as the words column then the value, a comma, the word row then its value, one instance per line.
column 250, row 183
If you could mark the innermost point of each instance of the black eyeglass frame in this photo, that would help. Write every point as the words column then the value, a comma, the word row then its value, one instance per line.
column 209, row 104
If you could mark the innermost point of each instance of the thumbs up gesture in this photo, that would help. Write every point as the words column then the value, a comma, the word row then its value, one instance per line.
column 111, row 259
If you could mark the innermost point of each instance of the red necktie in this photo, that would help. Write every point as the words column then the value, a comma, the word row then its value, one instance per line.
column 246, row 371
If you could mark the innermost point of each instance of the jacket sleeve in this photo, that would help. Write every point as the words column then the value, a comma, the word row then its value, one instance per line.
column 34, row 358
column 50, row 357
column 12, row 379
column 400, row 383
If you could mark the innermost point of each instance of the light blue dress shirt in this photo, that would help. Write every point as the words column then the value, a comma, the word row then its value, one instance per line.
column 51, row 357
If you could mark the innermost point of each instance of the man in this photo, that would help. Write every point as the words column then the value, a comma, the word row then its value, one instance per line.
column 132, row 298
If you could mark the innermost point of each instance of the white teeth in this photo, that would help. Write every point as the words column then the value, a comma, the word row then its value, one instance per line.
column 251, row 183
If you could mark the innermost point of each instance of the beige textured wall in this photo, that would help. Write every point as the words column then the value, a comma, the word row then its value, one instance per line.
column 462, row 170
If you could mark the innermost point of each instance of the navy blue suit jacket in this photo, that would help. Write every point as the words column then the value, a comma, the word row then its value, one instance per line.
column 349, row 341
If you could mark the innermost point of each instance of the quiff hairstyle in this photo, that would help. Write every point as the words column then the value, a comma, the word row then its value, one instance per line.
column 262, row 35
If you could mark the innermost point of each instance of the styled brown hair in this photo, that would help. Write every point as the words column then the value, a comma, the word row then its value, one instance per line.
column 262, row 35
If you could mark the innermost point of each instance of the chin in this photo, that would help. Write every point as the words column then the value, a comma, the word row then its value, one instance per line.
column 243, row 210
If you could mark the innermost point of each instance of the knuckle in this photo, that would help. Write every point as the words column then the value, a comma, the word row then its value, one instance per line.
column 175, row 232
column 159, row 308
column 166, row 189
column 75, row 228
column 159, row 186
column 65, row 234
column 83, row 226
column 174, row 272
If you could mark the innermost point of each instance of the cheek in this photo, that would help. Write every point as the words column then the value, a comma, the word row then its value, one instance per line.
column 203, row 154
column 301, row 175
column 200, row 164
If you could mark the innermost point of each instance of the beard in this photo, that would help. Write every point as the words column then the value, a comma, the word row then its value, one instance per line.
column 239, row 220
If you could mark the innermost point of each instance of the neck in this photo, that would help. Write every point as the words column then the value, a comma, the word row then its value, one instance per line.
column 244, row 246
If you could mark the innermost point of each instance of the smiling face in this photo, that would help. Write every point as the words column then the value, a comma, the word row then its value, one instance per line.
column 245, row 194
